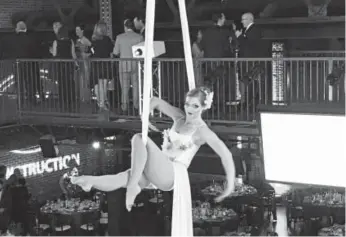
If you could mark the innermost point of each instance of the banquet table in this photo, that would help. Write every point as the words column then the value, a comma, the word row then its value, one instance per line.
column 335, row 230
column 330, row 204
column 73, row 210
column 241, row 192
column 244, row 200
column 214, row 220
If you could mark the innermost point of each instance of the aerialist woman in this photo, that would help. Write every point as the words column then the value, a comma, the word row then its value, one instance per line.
column 166, row 168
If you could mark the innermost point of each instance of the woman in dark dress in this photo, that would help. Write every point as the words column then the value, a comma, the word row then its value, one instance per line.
column 102, row 71
column 83, row 45
column 63, row 48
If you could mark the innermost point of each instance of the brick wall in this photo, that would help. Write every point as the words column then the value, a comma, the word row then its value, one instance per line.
column 46, row 186
column 9, row 7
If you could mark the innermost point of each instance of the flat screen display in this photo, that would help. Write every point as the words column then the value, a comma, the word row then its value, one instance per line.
column 304, row 148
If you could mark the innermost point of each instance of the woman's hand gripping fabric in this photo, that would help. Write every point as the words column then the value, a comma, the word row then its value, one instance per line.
column 151, row 126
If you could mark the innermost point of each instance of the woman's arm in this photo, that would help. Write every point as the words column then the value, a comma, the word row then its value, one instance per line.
column 196, row 51
column 224, row 153
column 73, row 50
column 86, row 41
column 166, row 108
column 54, row 48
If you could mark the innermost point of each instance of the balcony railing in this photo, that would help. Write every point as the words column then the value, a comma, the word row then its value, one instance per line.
column 67, row 88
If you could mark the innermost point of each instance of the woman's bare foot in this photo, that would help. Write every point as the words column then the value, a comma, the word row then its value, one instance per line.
column 82, row 181
column 131, row 194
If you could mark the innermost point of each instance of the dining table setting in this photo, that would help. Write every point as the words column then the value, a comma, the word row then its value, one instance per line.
column 216, row 188
column 329, row 199
column 213, row 219
column 71, row 211
column 203, row 212
column 329, row 203
column 334, row 230
column 70, row 206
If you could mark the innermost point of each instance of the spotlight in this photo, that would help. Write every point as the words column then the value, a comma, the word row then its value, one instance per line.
column 239, row 142
column 139, row 53
column 96, row 145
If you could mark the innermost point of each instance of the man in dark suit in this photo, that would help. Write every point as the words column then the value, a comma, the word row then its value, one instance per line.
column 216, row 40
column 250, row 38
column 253, row 46
column 23, row 45
column 139, row 22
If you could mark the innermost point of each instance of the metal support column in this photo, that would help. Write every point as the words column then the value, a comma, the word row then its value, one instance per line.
column 106, row 15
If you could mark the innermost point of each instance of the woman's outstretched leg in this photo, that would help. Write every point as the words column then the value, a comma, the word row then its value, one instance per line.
column 138, row 160
column 105, row 183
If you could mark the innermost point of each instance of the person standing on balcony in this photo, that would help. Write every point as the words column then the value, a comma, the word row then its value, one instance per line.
column 102, row 71
column 217, row 44
column 128, row 70
column 64, row 49
column 252, row 46
column 83, row 45
column 23, row 45
column 216, row 40
column 249, row 38
column 198, row 53
column 56, row 27
column 139, row 22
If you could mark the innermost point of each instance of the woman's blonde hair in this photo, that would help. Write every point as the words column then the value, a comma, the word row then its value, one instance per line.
column 100, row 31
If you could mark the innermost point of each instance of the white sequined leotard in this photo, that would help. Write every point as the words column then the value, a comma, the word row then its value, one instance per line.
column 181, row 149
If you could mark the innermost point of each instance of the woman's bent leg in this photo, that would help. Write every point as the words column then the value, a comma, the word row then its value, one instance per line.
column 159, row 168
column 138, row 161
column 105, row 183
column 151, row 162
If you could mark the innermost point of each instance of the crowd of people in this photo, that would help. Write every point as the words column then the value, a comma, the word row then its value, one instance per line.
column 92, row 75
column 220, row 41
column 78, row 77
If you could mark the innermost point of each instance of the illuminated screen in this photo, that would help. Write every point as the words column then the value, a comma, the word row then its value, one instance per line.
column 305, row 149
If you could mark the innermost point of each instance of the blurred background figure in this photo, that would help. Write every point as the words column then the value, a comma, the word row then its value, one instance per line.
column 5, row 207
column 69, row 190
column 198, row 53
column 102, row 71
column 128, row 70
column 20, row 205
column 83, row 45
column 64, row 48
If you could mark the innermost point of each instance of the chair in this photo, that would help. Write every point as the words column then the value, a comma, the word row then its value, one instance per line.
column 103, row 223
column 269, row 204
column 42, row 224
column 90, row 221
column 62, row 224
column 104, row 218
